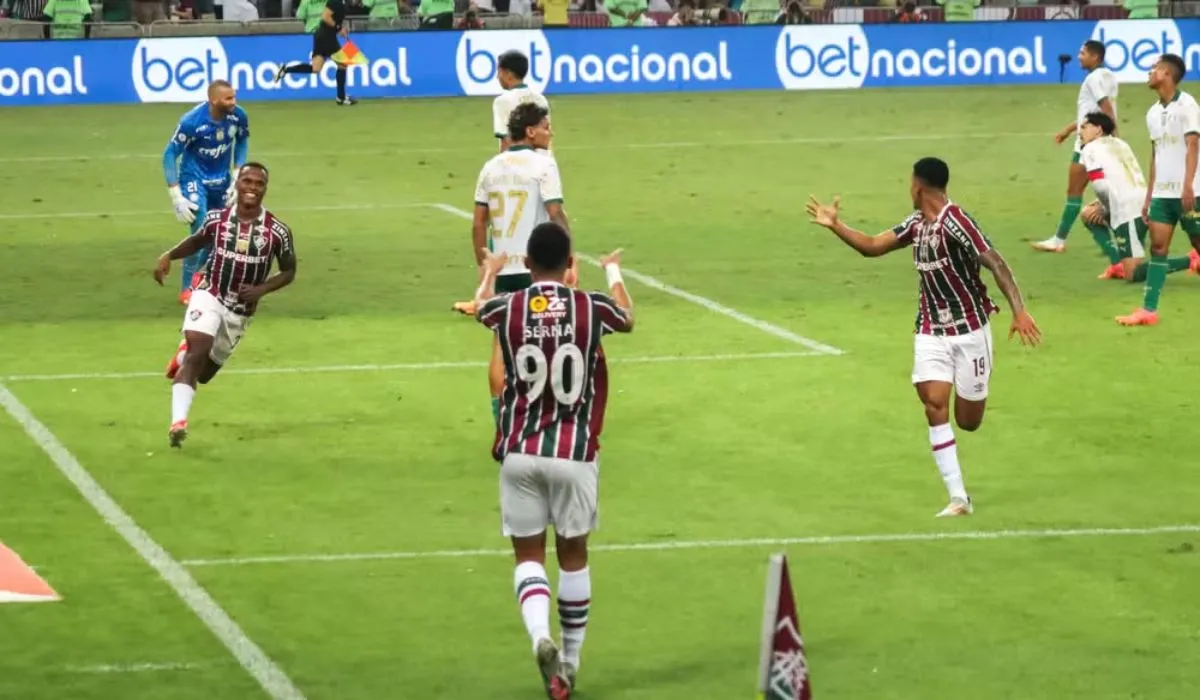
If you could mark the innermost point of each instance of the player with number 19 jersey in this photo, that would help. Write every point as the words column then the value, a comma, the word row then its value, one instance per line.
column 556, row 383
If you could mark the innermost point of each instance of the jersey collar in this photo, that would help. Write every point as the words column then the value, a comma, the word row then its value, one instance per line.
column 518, row 86
column 1174, row 98
column 520, row 147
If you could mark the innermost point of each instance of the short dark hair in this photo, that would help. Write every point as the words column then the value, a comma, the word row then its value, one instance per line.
column 514, row 62
column 525, row 116
column 933, row 172
column 1095, row 48
column 1178, row 68
column 1101, row 120
column 549, row 248
column 255, row 164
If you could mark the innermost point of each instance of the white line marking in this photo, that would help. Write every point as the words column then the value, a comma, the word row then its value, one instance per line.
column 133, row 668
column 383, row 151
column 816, row 541
column 769, row 328
column 411, row 366
column 166, row 211
column 248, row 654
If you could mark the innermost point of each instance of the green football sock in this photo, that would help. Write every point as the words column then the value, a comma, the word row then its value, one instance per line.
column 1069, row 214
column 1156, row 277
column 1105, row 240
column 1178, row 264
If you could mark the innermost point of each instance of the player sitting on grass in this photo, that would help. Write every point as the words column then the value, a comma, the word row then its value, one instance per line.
column 244, row 240
column 1115, row 220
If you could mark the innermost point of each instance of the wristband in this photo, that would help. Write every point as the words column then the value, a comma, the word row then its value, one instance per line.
column 613, row 272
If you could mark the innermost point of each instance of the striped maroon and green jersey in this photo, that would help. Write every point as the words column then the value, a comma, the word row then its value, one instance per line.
column 555, row 375
column 241, row 254
column 954, row 300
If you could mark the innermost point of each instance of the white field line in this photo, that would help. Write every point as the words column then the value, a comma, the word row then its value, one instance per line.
column 385, row 151
column 134, row 668
column 411, row 366
column 252, row 658
column 813, row 541
column 768, row 328
column 166, row 211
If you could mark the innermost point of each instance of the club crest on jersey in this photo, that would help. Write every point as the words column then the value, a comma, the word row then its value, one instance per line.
column 220, row 135
column 195, row 314
column 543, row 307
column 932, row 241
column 260, row 241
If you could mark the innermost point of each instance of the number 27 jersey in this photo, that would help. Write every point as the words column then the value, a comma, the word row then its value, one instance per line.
column 516, row 186
column 555, row 376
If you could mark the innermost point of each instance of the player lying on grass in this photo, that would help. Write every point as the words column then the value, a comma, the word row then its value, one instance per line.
column 1115, row 220
column 952, row 348
column 548, row 433
column 517, row 190
column 243, row 240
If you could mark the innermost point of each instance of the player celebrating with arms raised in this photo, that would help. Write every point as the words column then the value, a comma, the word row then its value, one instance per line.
column 517, row 190
column 196, row 164
column 244, row 240
column 547, row 437
column 1098, row 93
column 511, row 69
column 953, row 344
column 1174, row 125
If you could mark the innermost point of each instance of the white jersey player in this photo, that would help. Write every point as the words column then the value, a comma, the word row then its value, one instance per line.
column 1174, row 125
column 1120, row 187
column 517, row 190
column 1097, row 93
column 513, row 66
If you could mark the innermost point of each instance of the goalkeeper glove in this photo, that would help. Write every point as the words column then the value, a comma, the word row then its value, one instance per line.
column 231, row 195
column 185, row 211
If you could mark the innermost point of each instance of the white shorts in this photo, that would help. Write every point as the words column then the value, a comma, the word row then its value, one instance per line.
column 536, row 492
column 208, row 316
column 963, row 360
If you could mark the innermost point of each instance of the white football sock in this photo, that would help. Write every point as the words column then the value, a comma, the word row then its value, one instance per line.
column 181, row 401
column 945, row 454
column 533, row 595
column 574, row 600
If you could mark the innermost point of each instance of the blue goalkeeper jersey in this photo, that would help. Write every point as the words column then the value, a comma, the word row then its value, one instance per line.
column 204, row 150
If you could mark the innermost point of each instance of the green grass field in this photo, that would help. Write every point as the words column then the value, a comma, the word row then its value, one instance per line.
column 718, row 431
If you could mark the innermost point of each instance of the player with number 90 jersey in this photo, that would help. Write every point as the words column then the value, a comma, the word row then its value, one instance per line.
column 517, row 186
column 556, row 383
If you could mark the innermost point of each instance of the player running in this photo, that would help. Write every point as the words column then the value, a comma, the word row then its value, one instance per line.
column 197, row 164
column 547, row 438
column 1098, row 93
column 517, row 190
column 243, row 239
column 1174, row 125
column 325, row 44
column 1115, row 220
column 952, row 350
column 512, row 67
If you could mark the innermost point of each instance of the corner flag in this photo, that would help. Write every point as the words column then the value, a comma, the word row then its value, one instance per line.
column 783, row 667
column 348, row 55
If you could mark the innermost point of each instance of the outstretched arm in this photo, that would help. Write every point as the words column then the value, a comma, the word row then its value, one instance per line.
column 868, row 246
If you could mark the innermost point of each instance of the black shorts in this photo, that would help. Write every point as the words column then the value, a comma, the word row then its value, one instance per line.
column 325, row 42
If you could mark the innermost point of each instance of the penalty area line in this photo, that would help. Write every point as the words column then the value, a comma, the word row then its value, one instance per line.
column 409, row 366
column 765, row 327
column 252, row 658
column 812, row 541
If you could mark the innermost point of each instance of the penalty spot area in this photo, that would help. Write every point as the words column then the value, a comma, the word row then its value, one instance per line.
column 19, row 583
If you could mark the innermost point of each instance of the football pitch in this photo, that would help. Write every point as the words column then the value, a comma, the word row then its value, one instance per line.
column 331, row 528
